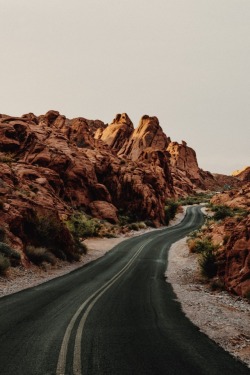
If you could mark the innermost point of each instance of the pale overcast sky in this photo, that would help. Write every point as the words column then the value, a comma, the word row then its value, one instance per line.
column 185, row 61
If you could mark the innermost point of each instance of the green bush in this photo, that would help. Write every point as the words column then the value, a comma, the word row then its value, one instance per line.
column 4, row 264
column 207, row 263
column 194, row 234
column 38, row 255
column 204, row 245
column 171, row 208
column 50, row 232
column 142, row 225
column 207, row 253
column 82, row 227
column 134, row 226
column 221, row 212
column 195, row 199
column 12, row 255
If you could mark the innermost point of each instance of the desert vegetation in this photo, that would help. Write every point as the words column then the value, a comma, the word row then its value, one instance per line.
column 197, row 198
column 8, row 257
column 223, row 211
column 171, row 207
column 206, row 250
column 46, row 235
column 222, row 247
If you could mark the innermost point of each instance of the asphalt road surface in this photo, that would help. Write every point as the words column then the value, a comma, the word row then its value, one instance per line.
column 115, row 316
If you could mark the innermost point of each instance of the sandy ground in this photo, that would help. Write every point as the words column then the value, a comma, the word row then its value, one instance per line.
column 224, row 318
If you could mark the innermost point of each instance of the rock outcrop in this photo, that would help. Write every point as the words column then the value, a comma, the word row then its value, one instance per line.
column 233, row 237
column 148, row 134
column 117, row 133
column 243, row 174
column 234, row 259
column 234, row 198
column 56, row 166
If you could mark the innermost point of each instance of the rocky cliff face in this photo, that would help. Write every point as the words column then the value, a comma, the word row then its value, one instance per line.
column 54, row 165
column 185, row 170
column 243, row 174
column 233, row 236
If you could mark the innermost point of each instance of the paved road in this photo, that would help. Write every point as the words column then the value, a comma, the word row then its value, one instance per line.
column 115, row 316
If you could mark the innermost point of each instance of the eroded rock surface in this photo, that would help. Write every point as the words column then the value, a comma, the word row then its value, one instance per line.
column 53, row 165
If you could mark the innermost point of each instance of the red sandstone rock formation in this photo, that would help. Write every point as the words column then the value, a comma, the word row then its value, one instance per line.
column 148, row 134
column 117, row 133
column 234, row 198
column 233, row 237
column 243, row 174
column 234, row 262
column 233, row 257
column 51, row 164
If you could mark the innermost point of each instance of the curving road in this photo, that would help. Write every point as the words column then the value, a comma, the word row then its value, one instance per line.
column 114, row 316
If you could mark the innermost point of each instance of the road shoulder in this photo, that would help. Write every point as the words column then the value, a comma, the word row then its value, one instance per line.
column 222, row 317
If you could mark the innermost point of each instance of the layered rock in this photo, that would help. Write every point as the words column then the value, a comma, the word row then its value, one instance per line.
column 234, row 260
column 243, row 174
column 52, row 164
column 234, row 198
column 148, row 134
column 233, row 256
column 117, row 133
column 233, row 237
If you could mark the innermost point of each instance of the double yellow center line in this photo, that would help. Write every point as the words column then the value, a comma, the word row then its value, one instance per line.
column 77, row 363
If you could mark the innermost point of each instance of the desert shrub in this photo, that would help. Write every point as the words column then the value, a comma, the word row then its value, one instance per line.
column 50, row 232
column 194, row 234
column 82, row 227
column 4, row 264
column 203, row 245
column 171, row 208
column 124, row 219
column 134, row 226
column 12, row 255
column 38, row 255
column 240, row 212
column 221, row 212
column 207, row 253
column 142, row 225
column 195, row 199
column 207, row 263
column 82, row 248
column 216, row 284
column 192, row 245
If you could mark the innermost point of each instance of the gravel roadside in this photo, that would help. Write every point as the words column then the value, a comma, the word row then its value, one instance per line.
column 223, row 317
